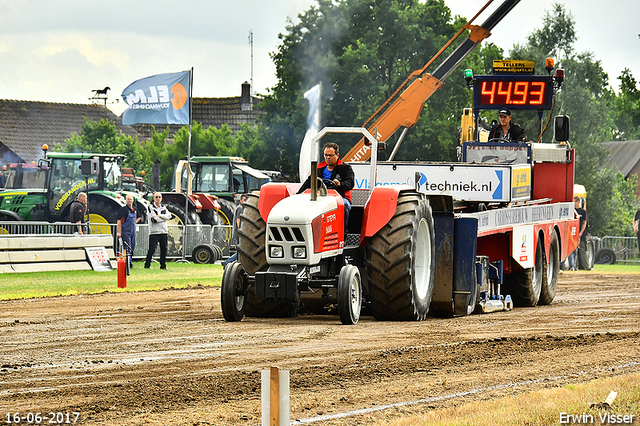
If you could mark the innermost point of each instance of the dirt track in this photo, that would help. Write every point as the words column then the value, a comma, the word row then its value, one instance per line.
column 169, row 357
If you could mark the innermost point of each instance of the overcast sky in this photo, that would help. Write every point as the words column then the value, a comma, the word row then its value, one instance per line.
column 61, row 50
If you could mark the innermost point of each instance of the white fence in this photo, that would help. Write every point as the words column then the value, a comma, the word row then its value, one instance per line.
column 219, row 235
column 625, row 248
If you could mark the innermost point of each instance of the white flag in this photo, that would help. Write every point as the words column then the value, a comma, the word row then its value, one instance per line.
column 307, row 153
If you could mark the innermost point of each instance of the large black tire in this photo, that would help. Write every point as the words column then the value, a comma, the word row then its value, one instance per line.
column 586, row 253
column 252, row 256
column 175, row 232
column 232, row 296
column 227, row 208
column 102, row 211
column 142, row 212
column 605, row 256
column 205, row 253
column 401, row 262
column 550, row 279
column 349, row 295
column 252, row 231
column 525, row 285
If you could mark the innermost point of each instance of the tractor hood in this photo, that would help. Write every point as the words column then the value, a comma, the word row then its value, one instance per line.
column 299, row 210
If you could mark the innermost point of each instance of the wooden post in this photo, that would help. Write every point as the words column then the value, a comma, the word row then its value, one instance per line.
column 274, row 393
column 275, row 397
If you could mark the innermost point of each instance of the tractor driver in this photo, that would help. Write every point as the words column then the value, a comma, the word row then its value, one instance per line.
column 505, row 130
column 338, row 175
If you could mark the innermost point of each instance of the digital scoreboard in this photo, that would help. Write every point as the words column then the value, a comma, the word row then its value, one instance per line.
column 514, row 91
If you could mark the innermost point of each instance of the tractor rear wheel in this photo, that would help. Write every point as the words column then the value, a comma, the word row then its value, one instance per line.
column 233, row 289
column 349, row 295
column 401, row 262
column 550, row 279
column 175, row 240
column 227, row 208
column 525, row 285
column 102, row 212
column 252, row 256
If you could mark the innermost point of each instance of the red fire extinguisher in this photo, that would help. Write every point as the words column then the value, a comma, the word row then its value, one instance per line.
column 122, row 271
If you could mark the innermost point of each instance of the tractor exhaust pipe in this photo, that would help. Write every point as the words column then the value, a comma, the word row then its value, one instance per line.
column 314, row 180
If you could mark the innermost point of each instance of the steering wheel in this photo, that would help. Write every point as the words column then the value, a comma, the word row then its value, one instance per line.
column 501, row 140
column 329, row 183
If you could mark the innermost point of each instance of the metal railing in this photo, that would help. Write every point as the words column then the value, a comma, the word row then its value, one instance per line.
column 219, row 235
column 625, row 248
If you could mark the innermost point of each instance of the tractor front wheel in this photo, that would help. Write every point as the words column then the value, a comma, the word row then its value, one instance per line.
column 349, row 295
column 233, row 292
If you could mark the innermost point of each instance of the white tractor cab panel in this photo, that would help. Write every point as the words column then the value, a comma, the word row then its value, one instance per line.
column 303, row 232
column 489, row 183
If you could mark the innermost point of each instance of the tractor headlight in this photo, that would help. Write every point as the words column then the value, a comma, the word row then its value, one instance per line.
column 300, row 252
column 276, row 251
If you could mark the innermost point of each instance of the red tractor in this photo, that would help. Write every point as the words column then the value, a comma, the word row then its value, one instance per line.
column 293, row 246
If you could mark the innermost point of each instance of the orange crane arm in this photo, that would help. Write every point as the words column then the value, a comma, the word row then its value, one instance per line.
column 404, row 109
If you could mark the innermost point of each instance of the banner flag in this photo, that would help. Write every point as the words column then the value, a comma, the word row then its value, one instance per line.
column 159, row 99
column 313, row 127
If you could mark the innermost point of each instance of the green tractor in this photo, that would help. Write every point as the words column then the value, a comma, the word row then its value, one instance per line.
column 45, row 192
column 210, row 195
column 223, row 177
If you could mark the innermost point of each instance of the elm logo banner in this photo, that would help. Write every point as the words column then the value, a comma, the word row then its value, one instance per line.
column 159, row 99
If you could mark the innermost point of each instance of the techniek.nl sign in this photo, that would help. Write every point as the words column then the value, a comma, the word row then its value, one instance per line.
column 471, row 183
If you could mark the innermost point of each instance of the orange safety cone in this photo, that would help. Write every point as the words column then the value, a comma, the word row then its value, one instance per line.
column 122, row 271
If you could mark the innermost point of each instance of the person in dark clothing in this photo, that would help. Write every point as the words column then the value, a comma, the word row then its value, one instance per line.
column 127, row 218
column 236, row 225
column 158, row 231
column 78, row 211
column 505, row 130
column 338, row 174
column 580, row 258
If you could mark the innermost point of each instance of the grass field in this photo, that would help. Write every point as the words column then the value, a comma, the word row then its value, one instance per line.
column 545, row 407
column 178, row 275
column 65, row 283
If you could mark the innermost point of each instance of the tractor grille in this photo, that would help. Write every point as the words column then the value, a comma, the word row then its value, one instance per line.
column 289, row 234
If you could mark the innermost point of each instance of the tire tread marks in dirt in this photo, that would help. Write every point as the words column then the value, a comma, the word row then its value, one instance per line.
column 389, row 263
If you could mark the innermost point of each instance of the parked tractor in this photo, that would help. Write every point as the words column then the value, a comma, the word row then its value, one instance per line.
column 46, row 191
column 213, row 187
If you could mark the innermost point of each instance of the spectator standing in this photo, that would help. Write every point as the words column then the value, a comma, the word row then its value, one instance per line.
column 158, row 231
column 236, row 225
column 78, row 211
column 126, row 223
column 579, row 256
column 636, row 228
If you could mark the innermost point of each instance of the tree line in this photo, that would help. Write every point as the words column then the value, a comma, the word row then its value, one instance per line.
column 361, row 51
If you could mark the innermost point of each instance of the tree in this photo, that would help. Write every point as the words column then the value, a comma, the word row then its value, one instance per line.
column 611, row 211
column 361, row 51
column 247, row 143
column 627, row 108
column 101, row 137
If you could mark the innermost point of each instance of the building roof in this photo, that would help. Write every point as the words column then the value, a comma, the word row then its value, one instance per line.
column 624, row 155
column 26, row 125
column 214, row 112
